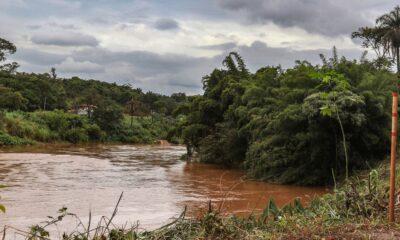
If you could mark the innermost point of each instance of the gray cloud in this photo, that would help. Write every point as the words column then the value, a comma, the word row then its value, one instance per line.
column 38, row 57
column 34, row 26
column 62, row 26
column 259, row 54
column 58, row 23
column 222, row 46
column 65, row 39
column 165, row 73
column 166, row 24
column 324, row 17
column 69, row 65
column 168, row 73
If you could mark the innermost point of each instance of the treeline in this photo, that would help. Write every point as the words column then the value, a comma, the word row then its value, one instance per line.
column 301, row 125
column 46, row 108
column 31, row 92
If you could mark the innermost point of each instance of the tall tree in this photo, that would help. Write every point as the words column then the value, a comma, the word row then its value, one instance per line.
column 390, row 23
column 53, row 73
column 384, row 38
column 7, row 48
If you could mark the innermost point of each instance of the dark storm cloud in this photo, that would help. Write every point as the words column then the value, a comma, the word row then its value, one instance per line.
column 324, row 17
column 65, row 39
column 166, row 24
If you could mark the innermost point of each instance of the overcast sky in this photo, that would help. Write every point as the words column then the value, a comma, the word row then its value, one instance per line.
column 167, row 46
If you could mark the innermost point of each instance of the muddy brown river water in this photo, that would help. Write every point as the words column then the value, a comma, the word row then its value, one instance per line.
column 157, row 185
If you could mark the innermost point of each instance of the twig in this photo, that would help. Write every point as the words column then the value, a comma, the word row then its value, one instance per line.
column 90, row 220
column 115, row 210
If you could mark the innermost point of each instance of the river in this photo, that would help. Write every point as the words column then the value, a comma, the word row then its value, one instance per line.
column 157, row 185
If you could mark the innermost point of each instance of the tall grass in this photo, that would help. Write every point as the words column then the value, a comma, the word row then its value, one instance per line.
column 58, row 126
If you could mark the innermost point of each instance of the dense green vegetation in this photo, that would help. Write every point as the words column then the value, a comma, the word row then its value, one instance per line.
column 303, row 125
column 32, row 92
column 286, row 125
column 43, row 107
column 58, row 126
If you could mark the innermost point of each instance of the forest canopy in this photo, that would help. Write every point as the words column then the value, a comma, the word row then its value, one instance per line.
column 294, row 125
column 43, row 107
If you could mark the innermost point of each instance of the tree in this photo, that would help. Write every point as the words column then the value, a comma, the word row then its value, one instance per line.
column 11, row 100
column 390, row 25
column 384, row 38
column 335, row 85
column 53, row 73
column 179, row 97
column 108, row 115
column 372, row 38
column 7, row 48
column 291, row 126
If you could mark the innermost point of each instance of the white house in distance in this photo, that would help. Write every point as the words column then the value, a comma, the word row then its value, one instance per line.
column 83, row 109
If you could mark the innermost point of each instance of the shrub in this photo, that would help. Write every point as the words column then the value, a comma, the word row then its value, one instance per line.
column 95, row 133
column 58, row 120
column 2, row 118
column 108, row 115
column 6, row 139
column 76, row 135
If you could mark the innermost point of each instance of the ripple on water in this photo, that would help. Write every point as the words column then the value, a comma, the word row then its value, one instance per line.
column 156, row 184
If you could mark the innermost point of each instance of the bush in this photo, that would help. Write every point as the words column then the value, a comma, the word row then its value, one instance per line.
column 95, row 133
column 2, row 118
column 53, row 126
column 108, row 115
column 58, row 120
column 6, row 139
column 76, row 135
column 19, row 124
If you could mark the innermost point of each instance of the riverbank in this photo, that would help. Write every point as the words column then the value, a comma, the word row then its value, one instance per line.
column 355, row 210
column 27, row 128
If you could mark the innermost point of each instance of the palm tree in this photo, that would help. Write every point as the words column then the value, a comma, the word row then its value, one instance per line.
column 390, row 24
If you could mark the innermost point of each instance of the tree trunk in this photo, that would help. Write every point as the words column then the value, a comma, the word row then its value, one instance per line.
column 344, row 143
column 398, row 61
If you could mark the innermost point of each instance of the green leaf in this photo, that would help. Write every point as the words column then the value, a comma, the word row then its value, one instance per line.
column 2, row 208
column 326, row 111
column 326, row 79
column 324, row 95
